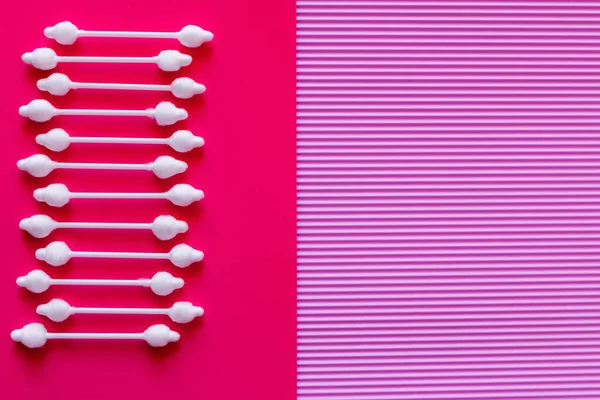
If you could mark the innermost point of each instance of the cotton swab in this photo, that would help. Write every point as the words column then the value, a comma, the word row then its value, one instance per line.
column 45, row 59
column 57, row 195
column 58, row 140
column 35, row 335
column 66, row 33
column 40, row 165
column 161, row 284
column 58, row 253
column 60, row 85
column 164, row 227
column 164, row 113
column 59, row 310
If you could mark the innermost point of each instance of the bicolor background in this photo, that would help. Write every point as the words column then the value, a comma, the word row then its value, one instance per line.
column 401, row 202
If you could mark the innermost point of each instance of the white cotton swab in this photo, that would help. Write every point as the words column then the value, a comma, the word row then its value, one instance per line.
column 164, row 113
column 161, row 284
column 35, row 335
column 45, row 59
column 60, row 85
column 59, row 310
column 40, row 165
column 67, row 33
column 164, row 227
column 57, row 195
column 58, row 140
column 58, row 253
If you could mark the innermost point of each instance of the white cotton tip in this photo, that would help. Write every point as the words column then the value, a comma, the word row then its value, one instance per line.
column 39, row 226
column 38, row 165
column 163, row 283
column 183, row 195
column 160, row 335
column 55, row 254
column 55, row 195
column 166, row 166
column 56, row 140
column 184, row 141
column 56, row 84
column 56, row 310
column 27, row 58
column 31, row 335
column 38, row 110
column 64, row 33
column 185, row 88
column 183, row 256
column 42, row 58
column 165, row 113
column 193, row 36
column 183, row 312
column 172, row 60
column 37, row 281
column 166, row 227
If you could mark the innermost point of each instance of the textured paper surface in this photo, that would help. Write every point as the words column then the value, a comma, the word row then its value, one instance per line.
column 448, row 199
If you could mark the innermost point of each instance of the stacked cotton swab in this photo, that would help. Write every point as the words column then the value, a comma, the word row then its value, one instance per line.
column 164, row 227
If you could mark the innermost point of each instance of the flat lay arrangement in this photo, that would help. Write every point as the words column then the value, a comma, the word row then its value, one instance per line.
column 164, row 227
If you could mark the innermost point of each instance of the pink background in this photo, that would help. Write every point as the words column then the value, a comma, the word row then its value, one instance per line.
column 245, row 345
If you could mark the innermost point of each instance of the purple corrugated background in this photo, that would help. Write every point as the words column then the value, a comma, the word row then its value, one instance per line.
column 448, row 200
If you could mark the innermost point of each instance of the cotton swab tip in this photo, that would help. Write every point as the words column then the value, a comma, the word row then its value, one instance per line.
column 199, row 88
column 31, row 335
column 21, row 281
column 40, row 254
column 22, row 164
column 185, row 60
column 41, row 84
column 17, row 335
column 49, row 32
column 181, row 227
column 174, row 336
column 24, row 111
column 27, row 58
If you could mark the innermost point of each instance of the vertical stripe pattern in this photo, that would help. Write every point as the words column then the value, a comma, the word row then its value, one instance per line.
column 448, row 200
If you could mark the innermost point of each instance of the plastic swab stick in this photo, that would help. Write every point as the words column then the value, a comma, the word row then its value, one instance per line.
column 46, row 59
column 164, row 113
column 66, row 33
column 164, row 227
column 57, row 195
column 58, row 140
column 40, row 165
column 162, row 283
column 59, row 310
column 59, row 85
column 35, row 335
column 58, row 253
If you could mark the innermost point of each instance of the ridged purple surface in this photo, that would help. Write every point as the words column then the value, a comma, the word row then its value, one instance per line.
column 448, row 200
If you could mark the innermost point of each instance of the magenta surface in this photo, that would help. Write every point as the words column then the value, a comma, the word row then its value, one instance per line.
column 244, row 347
column 448, row 200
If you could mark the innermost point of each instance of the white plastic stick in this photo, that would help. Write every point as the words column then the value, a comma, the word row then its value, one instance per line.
column 164, row 227
column 45, row 59
column 59, row 310
column 40, row 165
column 58, row 253
column 162, row 283
column 164, row 113
column 66, row 33
column 60, row 84
column 57, row 195
column 35, row 335
column 58, row 140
